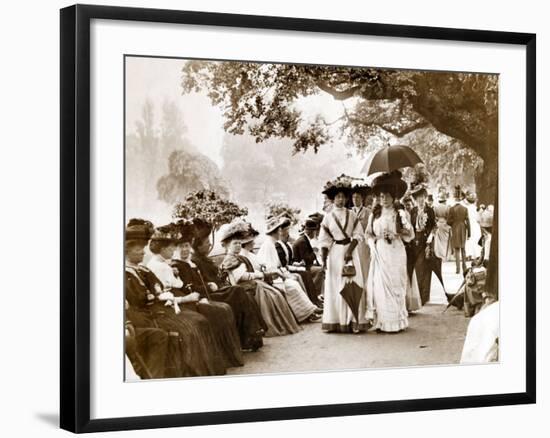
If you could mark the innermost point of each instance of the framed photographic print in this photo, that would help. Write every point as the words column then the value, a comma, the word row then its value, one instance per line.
column 268, row 218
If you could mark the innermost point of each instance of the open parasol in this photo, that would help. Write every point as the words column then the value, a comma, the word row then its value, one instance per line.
column 391, row 158
column 352, row 293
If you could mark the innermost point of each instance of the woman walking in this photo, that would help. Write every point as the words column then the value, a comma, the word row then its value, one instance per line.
column 339, row 236
column 388, row 228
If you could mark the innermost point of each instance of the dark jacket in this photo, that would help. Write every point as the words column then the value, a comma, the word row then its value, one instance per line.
column 460, row 225
column 302, row 250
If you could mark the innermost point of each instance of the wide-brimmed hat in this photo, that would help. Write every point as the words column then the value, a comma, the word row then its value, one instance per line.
column 341, row 184
column 168, row 233
column 186, row 230
column 250, row 233
column 232, row 231
column 471, row 197
column 311, row 224
column 284, row 221
column 317, row 217
column 442, row 196
column 273, row 223
column 418, row 190
column 202, row 229
column 390, row 183
column 361, row 187
column 139, row 229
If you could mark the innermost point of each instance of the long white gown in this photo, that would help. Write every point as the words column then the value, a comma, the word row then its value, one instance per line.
column 297, row 298
column 388, row 278
column 337, row 315
column 472, row 248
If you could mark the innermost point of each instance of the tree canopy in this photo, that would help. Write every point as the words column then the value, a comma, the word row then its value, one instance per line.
column 261, row 100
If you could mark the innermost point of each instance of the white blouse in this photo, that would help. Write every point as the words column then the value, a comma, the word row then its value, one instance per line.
column 162, row 269
column 330, row 231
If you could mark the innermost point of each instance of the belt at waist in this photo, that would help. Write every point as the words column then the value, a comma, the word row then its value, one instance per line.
column 345, row 241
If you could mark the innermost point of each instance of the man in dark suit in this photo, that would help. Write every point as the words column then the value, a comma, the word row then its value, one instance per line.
column 460, row 229
column 302, row 252
column 423, row 222
column 286, row 257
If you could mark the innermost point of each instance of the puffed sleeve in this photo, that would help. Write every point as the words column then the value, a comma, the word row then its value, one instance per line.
column 325, row 239
column 408, row 233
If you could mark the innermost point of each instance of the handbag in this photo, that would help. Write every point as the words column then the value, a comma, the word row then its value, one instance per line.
column 348, row 270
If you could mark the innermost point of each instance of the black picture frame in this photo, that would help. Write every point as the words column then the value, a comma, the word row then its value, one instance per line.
column 75, row 217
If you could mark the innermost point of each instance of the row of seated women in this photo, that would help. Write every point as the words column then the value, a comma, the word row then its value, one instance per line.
column 185, row 316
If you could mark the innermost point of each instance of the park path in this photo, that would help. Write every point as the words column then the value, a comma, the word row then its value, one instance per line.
column 434, row 337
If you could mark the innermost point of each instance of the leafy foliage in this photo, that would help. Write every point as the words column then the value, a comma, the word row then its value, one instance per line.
column 282, row 209
column 260, row 99
column 209, row 206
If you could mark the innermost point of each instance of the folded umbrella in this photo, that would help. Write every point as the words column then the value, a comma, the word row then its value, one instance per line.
column 352, row 293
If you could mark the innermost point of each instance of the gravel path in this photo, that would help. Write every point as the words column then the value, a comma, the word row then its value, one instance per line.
column 433, row 338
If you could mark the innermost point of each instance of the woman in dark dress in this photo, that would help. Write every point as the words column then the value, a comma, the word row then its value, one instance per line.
column 191, row 350
column 206, row 278
column 217, row 312
column 423, row 222
column 219, row 315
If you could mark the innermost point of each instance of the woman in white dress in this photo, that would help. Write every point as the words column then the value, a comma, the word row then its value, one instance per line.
column 358, row 195
column 299, row 302
column 473, row 249
column 388, row 228
column 340, row 233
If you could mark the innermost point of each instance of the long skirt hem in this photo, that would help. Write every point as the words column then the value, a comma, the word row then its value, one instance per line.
column 341, row 328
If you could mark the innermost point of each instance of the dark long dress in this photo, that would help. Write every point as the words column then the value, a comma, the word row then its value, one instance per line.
column 147, row 350
column 250, row 323
column 422, row 265
column 191, row 349
column 219, row 315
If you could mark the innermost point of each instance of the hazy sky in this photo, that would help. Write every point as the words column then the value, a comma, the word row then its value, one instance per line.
column 159, row 79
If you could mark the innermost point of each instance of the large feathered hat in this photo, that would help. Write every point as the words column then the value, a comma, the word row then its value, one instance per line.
column 341, row 184
column 139, row 229
column 391, row 183
column 234, row 230
column 419, row 184
column 202, row 229
column 167, row 232
column 250, row 234
column 360, row 186
column 186, row 230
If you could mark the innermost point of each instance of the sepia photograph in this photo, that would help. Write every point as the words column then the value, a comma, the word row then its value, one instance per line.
column 292, row 218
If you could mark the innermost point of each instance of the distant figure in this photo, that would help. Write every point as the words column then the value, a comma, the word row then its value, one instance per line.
column 442, row 232
column 473, row 247
column 460, row 229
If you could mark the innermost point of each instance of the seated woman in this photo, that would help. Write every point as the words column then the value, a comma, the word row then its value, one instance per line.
column 241, row 270
column 301, row 305
column 219, row 315
column 247, row 318
column 191, row 350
